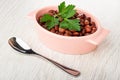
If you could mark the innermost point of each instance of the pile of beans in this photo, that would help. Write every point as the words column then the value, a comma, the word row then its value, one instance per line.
column 87, row 26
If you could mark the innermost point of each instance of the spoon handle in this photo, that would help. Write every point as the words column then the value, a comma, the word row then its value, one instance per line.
column 64, row 68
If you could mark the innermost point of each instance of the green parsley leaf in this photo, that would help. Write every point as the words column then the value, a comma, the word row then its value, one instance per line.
column 51, row 21
column 66, row 12
column 70, row 24
column 61, row 7
column 45, row 18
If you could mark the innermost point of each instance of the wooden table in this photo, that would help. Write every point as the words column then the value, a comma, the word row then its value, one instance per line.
column 101, row 64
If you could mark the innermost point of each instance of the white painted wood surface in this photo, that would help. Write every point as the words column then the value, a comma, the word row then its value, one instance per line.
column 101, row 64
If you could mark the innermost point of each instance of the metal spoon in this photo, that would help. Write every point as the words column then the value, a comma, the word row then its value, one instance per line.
column 19, row 45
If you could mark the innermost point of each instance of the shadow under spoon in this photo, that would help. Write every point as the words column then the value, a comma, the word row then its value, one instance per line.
column 21, row 46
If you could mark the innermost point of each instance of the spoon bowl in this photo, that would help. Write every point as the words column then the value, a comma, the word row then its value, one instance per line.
column 19, row 45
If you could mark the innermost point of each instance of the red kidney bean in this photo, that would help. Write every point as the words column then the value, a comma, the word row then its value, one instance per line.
column 87, row 28
column 57, row 27
column 61, row 30
column 76, row 34
column 53, row 30
column 86, row 22
column 68, row 32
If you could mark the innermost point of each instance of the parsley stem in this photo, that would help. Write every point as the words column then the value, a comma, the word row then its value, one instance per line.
column 55, row 15
column 66, row 19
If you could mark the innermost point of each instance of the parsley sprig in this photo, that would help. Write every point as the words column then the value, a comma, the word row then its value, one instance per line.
column 51, row 21
column 65, row 12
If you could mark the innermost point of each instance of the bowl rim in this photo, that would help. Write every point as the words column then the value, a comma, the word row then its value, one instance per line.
column 99, row 28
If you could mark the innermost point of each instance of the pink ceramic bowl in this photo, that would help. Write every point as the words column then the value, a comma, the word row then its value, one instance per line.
column 69, row 45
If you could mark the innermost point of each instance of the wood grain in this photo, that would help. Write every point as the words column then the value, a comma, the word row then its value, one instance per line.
column 101, row 64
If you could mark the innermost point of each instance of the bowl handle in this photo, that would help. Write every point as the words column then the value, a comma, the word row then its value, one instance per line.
column 96, row 41
column 31, row 15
